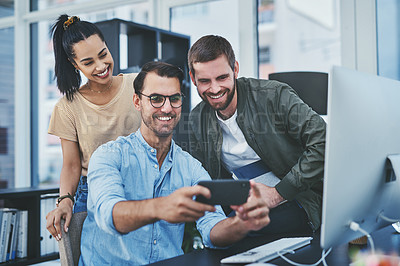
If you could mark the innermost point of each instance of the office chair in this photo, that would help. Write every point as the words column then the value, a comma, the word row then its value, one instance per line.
column 70, row 243
column 312, row 87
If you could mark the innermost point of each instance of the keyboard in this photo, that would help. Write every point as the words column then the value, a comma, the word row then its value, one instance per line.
column 269, row 251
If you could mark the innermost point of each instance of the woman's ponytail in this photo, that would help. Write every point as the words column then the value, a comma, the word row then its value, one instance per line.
column 68, row 77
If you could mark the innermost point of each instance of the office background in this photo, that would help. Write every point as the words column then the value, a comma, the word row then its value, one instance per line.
column 267, row 36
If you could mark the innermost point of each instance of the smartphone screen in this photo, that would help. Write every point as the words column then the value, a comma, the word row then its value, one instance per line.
column 225, row 192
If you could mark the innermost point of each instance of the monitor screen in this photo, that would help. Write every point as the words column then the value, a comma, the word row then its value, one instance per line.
column 363, row 129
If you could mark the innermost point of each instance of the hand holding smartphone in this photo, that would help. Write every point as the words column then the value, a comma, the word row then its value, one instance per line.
column 225, row 192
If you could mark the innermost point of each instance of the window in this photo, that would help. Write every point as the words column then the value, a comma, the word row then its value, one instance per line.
column 46, row 4
column 388, row 38
column 298, row 35
column 7, row 126
column 6, row 8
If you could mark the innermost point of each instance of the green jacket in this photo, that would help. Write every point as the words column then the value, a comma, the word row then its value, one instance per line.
column 285, row 132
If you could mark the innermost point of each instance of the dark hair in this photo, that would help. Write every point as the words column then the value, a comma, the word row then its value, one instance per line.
column 161, row 69
column 208, row 48
column 65, row 35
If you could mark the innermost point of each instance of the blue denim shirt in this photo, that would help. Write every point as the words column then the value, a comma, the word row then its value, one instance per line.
column 127, row 169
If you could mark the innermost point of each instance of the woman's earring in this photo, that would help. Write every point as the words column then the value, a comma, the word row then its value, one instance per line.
column 76, row 71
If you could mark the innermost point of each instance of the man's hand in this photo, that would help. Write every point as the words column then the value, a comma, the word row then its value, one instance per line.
column 254, row 213
column 251, row 216
column 180, row 207
column 270, row 194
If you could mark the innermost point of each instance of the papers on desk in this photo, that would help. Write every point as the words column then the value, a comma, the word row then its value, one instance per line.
column 257, row 171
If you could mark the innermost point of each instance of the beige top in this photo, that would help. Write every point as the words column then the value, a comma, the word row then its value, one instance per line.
column 92, row 125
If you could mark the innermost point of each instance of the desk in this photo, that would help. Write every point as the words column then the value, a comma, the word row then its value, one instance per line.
column 385, row 239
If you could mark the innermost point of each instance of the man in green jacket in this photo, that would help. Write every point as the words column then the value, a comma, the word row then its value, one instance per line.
column 243, row 120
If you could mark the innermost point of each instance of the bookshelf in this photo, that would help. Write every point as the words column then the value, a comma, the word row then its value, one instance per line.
column 132, row 45
column 28, row 199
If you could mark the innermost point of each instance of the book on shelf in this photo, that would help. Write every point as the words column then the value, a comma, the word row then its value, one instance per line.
column 22, row 239
column 5, row 217
column 13, row 234
column 52, row 244
column 16, row 233
column 48, row 244
column 257, row 171
column 15, row 237
column 6, row 234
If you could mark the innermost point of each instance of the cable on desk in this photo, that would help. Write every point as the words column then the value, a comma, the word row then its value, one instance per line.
column 356, row 227
column 390, row 220
column 322, row 259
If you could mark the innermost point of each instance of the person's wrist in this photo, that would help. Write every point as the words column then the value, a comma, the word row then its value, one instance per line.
column 65, row 199
column 239, row 225
column 154, row 208
column 278, row 199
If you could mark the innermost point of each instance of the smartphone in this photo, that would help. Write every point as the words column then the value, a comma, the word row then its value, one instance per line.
column 225, row 192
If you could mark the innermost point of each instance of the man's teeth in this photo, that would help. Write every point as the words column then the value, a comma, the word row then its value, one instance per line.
column 102, row 74
column 164, row 118
column 217, row 96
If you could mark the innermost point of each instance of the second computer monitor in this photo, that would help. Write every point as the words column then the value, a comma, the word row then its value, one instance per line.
column 363, row 130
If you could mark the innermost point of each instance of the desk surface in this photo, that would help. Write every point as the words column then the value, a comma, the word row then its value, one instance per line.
column 385, row 239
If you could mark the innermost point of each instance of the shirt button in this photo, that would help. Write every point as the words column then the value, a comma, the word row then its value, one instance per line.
column 156, row 166
column 155, row 241
column 152, row 150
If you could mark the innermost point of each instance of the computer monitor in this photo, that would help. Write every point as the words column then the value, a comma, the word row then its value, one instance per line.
column 363, row 129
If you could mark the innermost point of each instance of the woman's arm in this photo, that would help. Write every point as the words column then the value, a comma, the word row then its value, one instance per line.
column 69, row 179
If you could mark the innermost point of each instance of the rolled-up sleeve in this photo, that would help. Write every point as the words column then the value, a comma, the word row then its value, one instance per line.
column 105, row 185
column 207, row 222
column 210, row 219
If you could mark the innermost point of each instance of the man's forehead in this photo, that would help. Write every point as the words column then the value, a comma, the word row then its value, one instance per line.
column 211, row 72
column 153, row 83
column 218, row 66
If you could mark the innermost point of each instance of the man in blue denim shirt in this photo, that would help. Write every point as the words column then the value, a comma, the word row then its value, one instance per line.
column 141, row 187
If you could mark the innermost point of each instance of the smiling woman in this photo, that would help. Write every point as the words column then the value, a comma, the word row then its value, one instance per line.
column 94, row 60
column 88, row 115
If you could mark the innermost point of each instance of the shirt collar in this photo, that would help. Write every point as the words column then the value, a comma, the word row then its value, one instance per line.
column 172, row 148
column 227, row 121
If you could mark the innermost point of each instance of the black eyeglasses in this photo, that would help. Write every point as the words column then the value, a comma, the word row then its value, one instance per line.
column 158, row 100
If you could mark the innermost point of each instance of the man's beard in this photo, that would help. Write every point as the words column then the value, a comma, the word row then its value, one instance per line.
column 229, row 98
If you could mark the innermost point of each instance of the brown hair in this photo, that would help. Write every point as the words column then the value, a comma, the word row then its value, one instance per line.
column 208, row 48
column 161, row 69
